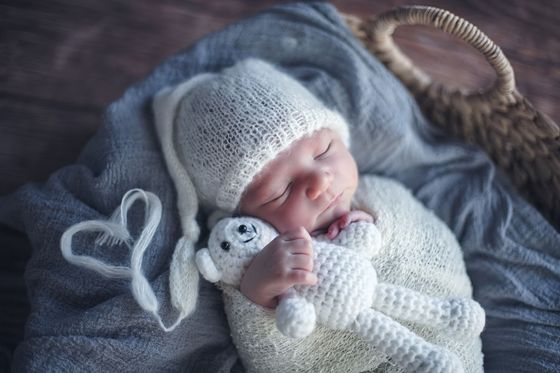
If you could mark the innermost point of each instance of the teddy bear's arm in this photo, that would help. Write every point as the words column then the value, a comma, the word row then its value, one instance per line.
column 360, row 236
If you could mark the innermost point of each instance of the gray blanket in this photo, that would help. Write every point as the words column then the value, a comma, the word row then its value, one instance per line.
column 82, row 321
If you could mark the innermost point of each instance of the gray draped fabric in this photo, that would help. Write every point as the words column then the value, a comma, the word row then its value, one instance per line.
column 82, row 321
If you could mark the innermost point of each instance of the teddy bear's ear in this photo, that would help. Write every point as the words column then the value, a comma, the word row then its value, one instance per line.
column 215, row 217
column 206, row 266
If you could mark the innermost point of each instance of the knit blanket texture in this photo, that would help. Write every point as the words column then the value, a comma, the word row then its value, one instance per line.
column 418, row 252
column 81, row 321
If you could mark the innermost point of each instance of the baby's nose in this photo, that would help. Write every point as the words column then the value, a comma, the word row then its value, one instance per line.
column 319, row 182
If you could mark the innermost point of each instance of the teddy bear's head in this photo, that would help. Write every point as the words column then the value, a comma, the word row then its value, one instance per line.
column 233, row 242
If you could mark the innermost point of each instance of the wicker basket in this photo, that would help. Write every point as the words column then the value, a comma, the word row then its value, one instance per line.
column 522, row 141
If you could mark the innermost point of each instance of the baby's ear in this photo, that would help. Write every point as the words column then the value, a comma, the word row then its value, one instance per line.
column 206, row 266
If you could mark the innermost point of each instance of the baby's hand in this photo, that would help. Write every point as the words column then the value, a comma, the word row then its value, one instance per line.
column 338, row 225
column 285, row 261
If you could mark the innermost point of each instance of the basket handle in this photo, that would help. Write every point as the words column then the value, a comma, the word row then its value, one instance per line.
column 379, row 32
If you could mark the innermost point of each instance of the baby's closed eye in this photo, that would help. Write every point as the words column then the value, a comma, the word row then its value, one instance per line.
column 283, row 195
column 325, row 152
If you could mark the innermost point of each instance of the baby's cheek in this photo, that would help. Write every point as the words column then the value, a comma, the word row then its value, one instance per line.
column 311, row 221
column 292, row 217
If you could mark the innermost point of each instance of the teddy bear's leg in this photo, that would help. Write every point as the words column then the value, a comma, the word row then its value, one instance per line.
column 295, row 317
column 454, row 315
column 402, row 346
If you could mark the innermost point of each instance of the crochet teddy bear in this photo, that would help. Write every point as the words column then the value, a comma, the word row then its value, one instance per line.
column 347, row 295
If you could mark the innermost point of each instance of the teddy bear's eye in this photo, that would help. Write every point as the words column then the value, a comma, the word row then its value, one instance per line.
column 242, row 229
column 225, row 245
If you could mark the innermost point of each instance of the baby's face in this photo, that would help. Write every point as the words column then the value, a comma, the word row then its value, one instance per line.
column 310, row 185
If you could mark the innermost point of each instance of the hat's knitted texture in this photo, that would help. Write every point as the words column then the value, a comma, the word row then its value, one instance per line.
column 217, row 131
column 229, row 125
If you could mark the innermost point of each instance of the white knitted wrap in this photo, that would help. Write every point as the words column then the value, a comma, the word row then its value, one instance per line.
column 228, row 126
column 419, row 252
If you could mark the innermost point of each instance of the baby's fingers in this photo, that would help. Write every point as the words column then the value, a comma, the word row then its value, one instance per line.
column 345, row 220
column 301, row 277
column 300, row 243
column 296, row 234
column 357, row 215
column 301, row 261
column 333, row 231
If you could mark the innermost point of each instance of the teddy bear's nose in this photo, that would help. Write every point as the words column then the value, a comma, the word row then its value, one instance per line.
column 242, row 228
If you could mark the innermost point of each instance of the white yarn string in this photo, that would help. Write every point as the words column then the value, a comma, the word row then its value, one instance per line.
column 183, row 274
column 141, row 288
column 114, row 231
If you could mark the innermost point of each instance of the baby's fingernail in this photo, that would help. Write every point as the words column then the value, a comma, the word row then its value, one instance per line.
column 314, row 279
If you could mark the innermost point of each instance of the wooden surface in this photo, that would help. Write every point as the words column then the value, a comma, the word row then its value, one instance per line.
column 63, row 61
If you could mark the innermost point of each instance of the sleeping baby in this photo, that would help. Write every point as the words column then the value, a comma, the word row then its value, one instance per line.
column 255, row 142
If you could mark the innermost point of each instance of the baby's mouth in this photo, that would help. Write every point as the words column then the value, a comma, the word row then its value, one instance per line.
column 324, row 225
column 333, row 202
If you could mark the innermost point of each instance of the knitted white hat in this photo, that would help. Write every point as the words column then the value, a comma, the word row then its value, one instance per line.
column 223, row 128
